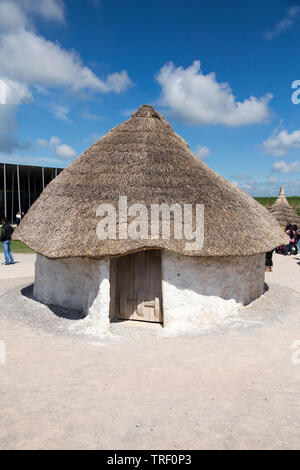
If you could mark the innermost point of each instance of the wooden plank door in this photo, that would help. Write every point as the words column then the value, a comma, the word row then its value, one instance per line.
column 138, row 286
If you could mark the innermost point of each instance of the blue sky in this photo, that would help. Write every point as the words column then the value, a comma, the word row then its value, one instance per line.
column 221, row 72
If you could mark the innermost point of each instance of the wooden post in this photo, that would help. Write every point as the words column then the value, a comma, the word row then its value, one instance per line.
column 19, row 189
column 5, row 189
column 12, row 194
column 29, row 192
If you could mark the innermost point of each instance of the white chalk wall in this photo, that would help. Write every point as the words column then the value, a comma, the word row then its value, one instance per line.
column 201, row 290
column 78, row 283
column 195, row 290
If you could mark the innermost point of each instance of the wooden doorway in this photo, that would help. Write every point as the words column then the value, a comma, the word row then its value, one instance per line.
column 136, row 287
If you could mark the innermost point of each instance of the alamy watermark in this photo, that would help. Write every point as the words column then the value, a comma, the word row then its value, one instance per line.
column 296, row 354
column 160, row 221
column 3, row 92
column 296, row 94
column 2, row 353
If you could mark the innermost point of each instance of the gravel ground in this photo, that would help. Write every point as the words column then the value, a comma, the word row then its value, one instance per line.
column 21, row 273
column 277, row 307
column 229, row 386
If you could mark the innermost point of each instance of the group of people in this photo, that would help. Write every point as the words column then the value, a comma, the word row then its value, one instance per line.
column 293, row 232
column 293, row 246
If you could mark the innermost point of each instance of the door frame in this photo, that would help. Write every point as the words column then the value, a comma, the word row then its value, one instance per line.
column 113, row 280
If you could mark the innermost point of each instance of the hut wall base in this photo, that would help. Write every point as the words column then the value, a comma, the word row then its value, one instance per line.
column 202, row 290
column 77, row 283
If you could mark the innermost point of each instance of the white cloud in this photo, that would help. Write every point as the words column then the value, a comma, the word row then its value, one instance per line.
column 42, row 143
column 199, row 99
column 61, row 112
column 268, row 187
column 202, row 152
column 242, row 176
column 90, row 117
column 283, row 167
column 272, row 179
column 93, row 138
column 241, row 185
column 12, row 17
column 54, row 143
column 16, row 94
column 65, row 152
column 117, row 82
column 49, row 9
column 62, row 151
column 31, row 62
column 32, row 59
column 285, row 24
column 31, row 159
column 15, row 14
column 281, row 143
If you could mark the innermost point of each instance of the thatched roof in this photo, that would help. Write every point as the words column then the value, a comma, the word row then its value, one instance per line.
column 145, row 160
column 283, row 211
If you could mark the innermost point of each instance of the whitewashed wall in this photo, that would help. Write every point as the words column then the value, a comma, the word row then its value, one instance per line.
column 201, row 290
column 195, row 290
column 78, row 283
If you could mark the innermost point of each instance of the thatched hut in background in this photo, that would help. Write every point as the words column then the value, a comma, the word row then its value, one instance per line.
column 147, row 279
column 283, row 212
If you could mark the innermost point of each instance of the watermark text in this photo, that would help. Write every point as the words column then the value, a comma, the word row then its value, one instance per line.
column 159, row 221
column 2, row 353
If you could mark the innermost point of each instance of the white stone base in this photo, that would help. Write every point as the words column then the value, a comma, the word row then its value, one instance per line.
column 202, row 290
column 78, row 283
column 196, row 291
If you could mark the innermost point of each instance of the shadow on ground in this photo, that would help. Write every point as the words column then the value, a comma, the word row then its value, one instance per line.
column 266, row 287
column 61, row 312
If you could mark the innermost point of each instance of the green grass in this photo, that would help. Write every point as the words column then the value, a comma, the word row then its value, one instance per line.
column 269, row 201
column 266, row 201
column 19, row 247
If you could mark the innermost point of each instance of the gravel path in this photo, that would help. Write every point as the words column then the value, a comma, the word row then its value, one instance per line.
column 276, row 307
column 19, row 274
column 231, row 386
column 286, row 271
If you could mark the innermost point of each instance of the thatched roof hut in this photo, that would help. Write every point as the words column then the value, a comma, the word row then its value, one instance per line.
column 283, row 212
column 146, row 161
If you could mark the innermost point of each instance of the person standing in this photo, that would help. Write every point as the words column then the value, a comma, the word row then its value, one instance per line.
column 289, row 248
column 297, row 240
column 6, row 234
column 18, row 218
column 295, row 228
column 269, row 261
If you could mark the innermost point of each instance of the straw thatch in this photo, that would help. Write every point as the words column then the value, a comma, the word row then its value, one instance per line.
column 145, row 160
column 283, row 211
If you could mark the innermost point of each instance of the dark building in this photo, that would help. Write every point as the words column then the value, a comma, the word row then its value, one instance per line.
column 21, row 185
